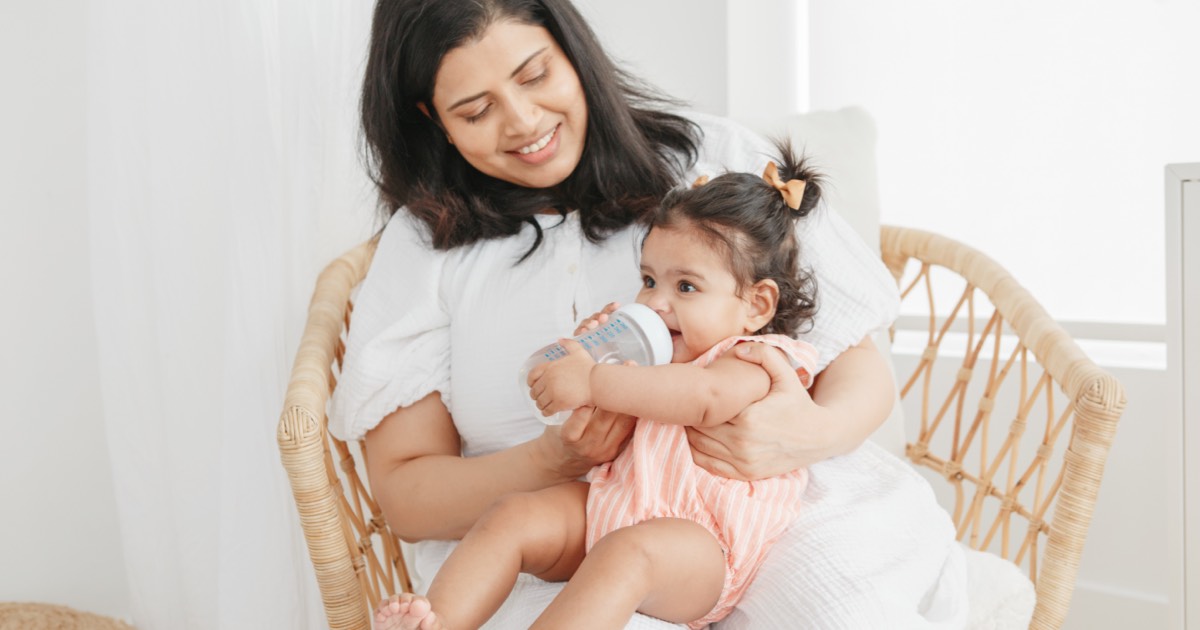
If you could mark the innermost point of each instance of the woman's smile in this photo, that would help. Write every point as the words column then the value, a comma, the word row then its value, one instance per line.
column 540, row 150
column 512, row 104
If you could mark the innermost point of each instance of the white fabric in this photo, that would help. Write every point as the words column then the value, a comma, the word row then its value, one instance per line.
column 222, row 175
column 840, row 566
column 1001, row 595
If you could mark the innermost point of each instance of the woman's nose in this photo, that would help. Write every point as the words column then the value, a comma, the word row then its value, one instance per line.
column 523, row 117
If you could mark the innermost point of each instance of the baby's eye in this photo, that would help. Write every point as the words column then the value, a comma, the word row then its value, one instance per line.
column 686, row 287
column 648, row 282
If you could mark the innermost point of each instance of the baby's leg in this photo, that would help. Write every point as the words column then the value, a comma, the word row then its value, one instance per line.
column 540, row 533
column 668, row 568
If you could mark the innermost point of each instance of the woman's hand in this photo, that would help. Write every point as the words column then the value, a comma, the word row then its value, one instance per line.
column 588, row 438
column 776, row 435
column 792, row 428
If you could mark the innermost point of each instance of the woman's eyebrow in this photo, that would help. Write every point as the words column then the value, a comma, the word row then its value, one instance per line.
column 468, row 99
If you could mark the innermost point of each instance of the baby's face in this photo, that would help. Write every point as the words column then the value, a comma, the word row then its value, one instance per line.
column 689, row 284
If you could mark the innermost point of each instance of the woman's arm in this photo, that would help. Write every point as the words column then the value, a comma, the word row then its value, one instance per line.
column 858, row 391
column 427, row 490
column 791, row 429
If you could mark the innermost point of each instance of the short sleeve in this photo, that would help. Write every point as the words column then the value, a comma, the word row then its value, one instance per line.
column 398, row 350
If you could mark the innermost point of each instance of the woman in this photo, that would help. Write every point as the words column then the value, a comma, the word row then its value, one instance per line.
column 514, row 160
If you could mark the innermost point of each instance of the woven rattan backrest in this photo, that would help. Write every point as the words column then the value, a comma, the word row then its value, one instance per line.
column 1014, row 418
column 356, row 557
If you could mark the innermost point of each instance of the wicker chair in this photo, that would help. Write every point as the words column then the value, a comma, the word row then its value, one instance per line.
column 990, row 431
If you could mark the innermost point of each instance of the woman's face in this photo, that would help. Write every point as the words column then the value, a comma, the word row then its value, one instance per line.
column 512, row 104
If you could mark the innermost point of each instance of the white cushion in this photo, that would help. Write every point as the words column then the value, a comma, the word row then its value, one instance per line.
column 1000, row 594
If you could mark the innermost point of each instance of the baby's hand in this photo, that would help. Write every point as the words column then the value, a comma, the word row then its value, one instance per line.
column 563, row 384
column 597, row 319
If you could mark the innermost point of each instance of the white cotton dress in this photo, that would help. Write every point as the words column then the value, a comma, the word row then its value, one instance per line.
column 871, row 550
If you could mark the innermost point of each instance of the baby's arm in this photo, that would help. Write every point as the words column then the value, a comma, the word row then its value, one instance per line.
column 681, row 393
column 677, row 393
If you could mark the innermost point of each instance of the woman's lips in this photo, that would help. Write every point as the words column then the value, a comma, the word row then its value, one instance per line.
column 541, row 149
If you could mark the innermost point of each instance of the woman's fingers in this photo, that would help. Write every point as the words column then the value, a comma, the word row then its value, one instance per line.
column 596, row 435
column 782, row 374
column 711, row 451
column 573, row 428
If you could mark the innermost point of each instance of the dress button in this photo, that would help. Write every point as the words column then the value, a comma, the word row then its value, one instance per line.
column 571, row 268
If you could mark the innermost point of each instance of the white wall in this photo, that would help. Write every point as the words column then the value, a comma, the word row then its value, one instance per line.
column 59, row 536
column 712, row 54
column 670, row 59
column 1027, row 126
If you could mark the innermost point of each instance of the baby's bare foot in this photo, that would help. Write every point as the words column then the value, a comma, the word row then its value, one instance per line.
column 391, row 610
column 407, row 612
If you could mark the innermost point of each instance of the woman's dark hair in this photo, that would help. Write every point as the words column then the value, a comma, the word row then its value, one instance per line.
column 749, row 220
column 634, row 152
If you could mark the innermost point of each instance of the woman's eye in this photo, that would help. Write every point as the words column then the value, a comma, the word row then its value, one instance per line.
column 648, row 282
column 686, row 287
column 474, row 118
column 535, row 75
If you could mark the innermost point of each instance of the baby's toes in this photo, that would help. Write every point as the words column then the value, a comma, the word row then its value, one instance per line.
column 419, row 607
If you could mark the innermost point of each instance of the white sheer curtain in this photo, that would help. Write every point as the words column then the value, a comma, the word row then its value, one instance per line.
column 222, row 174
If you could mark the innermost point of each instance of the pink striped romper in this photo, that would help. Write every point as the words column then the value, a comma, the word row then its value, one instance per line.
column 655, row 477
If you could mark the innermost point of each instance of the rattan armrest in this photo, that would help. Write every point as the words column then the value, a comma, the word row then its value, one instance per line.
column 998, row 393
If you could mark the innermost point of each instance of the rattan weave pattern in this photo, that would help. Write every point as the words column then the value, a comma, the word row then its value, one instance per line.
column 1021, row 431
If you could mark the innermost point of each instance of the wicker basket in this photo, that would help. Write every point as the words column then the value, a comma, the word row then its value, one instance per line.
column 1018, row 433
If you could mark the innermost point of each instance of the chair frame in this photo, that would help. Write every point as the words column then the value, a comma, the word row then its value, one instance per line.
column 358, row 560
column 1094, row 403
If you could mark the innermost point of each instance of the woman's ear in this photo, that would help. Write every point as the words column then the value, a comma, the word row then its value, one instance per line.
column 761, row 302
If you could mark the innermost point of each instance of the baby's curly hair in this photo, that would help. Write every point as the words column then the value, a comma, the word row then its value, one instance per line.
column 747, row 217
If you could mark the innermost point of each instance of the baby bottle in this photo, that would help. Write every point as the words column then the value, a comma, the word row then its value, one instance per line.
column 634, row 332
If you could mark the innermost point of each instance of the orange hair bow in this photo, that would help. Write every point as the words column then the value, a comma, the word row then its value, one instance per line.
column 792, row 190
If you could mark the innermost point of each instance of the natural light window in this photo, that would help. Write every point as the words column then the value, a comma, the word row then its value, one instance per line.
column 1035, row 132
